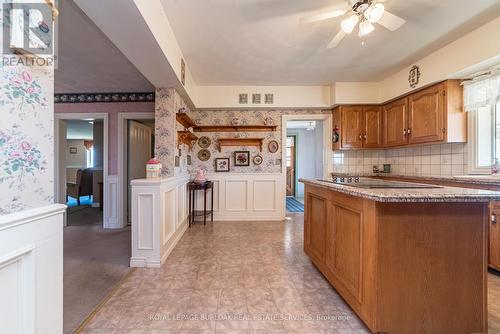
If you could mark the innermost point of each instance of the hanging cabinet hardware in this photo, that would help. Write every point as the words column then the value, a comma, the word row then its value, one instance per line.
column 493, row 218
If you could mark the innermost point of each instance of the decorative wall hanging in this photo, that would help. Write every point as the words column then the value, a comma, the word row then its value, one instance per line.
column 183, row 72
column 104, row 97
column 204, row 155
column 204, row 142
column 222, row 165
column 242, row 158
column 268, row 121
column 269, row 98
column 235, row 121
column 189, row 160
column 414, row 76
column 243, row 98
column 257, row 160
column 176, row 161
column 273, row 146
column 73, row 150
column 256, row 98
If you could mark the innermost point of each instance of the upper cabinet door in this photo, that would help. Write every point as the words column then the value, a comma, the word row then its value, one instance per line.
column 352, row 126
column 372, row 136
column 395, row 123
column 427, row 115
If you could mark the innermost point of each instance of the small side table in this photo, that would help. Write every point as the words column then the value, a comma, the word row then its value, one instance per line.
column 205, row 186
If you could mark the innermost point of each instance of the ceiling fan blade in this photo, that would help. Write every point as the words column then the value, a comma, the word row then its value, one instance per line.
column 336, row 40
column 323, row 16
column 391, row 21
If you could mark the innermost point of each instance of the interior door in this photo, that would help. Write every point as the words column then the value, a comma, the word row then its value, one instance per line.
column 395, row 123
column 352, row 126
column 139, row 152
column 426, row 115
column 373, row 126
column 290, row 165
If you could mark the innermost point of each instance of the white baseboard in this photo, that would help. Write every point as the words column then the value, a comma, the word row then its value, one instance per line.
column 174, row 240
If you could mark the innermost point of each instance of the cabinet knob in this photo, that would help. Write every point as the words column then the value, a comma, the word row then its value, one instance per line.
column 493, row 218
column 409, row 131
column 404, row 132
column 360, row 137
column 365, row 136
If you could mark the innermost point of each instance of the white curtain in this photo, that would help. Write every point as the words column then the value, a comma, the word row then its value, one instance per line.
column 481, row 92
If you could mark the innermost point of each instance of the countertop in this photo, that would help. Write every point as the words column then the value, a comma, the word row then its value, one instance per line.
column 443, row 194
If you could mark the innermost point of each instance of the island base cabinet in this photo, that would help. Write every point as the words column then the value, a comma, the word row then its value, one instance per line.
column 403, row 267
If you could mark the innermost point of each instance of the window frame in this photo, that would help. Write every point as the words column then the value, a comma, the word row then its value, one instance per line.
column 472, row 163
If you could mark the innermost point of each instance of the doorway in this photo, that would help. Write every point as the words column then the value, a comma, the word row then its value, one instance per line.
column 306, row 154
column 291, row 165
column 140, row 148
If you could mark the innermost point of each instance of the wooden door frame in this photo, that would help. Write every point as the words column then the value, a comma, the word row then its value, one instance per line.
column 123, row 118
column 327, row 148
column 60, row 194
column 295, row 166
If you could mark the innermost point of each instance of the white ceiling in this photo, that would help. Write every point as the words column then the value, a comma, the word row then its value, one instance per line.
column 260, row 42
column 88, row 61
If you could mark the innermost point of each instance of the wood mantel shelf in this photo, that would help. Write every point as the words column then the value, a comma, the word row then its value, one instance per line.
column 234, row 128
column 241, row 142
column 184, row 120
column 186, row 137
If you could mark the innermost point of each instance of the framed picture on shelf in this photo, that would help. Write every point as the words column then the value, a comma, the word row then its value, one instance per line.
column 222, row 164
column 242, row 158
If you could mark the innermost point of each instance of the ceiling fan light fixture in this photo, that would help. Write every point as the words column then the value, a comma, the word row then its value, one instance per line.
column 374, row 12
column 349, row 24
column 365, row 28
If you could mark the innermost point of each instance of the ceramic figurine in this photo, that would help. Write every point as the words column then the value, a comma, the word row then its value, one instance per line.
column 200, row 176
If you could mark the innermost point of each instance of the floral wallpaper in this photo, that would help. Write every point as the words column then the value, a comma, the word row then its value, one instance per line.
column 167, row 104
column 271, row 161
column 26, row 137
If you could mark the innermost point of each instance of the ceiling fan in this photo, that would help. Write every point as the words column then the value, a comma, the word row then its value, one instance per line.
column 364, row 12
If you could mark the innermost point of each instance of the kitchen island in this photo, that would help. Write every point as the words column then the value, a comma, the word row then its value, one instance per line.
column 407, row 260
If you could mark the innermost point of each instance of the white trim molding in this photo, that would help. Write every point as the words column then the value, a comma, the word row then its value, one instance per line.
column 31, row 270
column 159, row 219
column 327, row 146
column 123, row 117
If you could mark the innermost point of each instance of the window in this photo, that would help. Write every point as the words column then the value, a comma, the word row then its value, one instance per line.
column 90, row 157
column 482, row 102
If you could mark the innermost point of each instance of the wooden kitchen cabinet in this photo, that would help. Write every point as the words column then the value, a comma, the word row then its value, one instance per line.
column 315, row 232
column 352, row 126
column 360, row 126
column 395, row 123
column 431, row 115
column 494, row 236
column 372, row 120
column 426, row 114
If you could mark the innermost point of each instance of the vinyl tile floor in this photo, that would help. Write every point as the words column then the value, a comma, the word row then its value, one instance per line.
column 232, row 278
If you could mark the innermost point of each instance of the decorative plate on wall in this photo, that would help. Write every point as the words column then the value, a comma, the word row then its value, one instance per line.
column 257, row 160
column 204, row 142
column 204, row 155
column 273, row 146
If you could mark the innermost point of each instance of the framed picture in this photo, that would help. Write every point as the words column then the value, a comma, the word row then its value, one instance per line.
column 243, row 98
column 222, row 164
column 242, row 158
column 269, row 98
column 73, row 150
column 273, row 146
column 189, row 161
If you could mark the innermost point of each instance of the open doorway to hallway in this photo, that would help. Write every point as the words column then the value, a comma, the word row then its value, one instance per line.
column 304, row 154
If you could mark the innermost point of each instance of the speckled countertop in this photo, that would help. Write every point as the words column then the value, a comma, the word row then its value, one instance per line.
column 442, row 194
column 472, row 179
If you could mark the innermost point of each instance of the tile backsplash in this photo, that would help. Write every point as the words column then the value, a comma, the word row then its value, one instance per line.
column 425, row 160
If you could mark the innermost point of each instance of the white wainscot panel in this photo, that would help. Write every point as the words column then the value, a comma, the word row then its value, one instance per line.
column 236, row 195
column 145, row 210
column 111, row 203
column 159, row 219
column 31, row 271
column 264, row 195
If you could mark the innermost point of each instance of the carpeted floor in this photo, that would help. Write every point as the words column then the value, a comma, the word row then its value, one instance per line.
column 95, row 260
column 292, row 205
